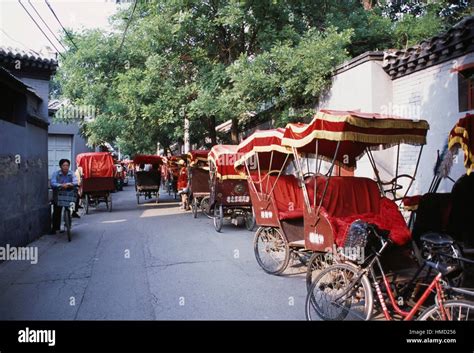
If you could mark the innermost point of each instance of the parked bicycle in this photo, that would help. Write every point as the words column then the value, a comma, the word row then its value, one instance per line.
column 344, row 291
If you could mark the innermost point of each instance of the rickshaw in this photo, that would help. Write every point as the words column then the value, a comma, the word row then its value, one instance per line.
column 315, row 209
column 356, row 282
column 147, row 183
column 273, row 193
column 199, row 181
column 97, row 179
column 229, row 194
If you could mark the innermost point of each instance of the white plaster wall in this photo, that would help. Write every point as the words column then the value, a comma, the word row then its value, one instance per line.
column 368, row 88
column 432, row 94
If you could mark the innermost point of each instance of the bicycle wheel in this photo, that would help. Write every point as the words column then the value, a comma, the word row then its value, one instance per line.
column 318, row 262
column 271, row 250
column 455, row 310
column 339, row 293
column 67, row 222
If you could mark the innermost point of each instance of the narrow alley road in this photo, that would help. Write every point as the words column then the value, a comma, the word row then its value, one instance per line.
column 147, row 262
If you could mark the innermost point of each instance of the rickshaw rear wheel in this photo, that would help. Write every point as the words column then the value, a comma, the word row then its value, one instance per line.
column 194, row 206
column 318, row 262
column 266, row 235
column 218, row 217
column 138, row 198
column 108, row 202
column 249, row 221
column 206, row 206
column 86, row 204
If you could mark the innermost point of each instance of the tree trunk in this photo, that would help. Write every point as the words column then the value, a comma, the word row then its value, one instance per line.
column 234, row 132
column 212, row 130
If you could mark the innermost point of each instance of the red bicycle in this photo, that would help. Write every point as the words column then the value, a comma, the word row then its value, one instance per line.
column 344, row 292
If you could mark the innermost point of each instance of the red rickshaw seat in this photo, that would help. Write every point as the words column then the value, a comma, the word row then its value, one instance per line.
column 347, row 199
column 288, row 196
column 350, row 198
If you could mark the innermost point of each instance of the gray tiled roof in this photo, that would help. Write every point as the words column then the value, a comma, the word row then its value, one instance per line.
column 457, row 41
column 40, row 61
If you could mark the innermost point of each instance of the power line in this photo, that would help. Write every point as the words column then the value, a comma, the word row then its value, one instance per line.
column 41, row 18
column 123, row 35
column 22, row 44
column 39, row 27
column 126, row 27
column 57, row 19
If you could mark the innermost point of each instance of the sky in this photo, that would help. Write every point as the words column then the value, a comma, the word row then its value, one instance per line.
column 18, row 30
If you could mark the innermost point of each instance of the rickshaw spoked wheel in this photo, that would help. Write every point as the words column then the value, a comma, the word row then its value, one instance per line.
column 206, row 206
column 108, row 202
column 269, row 241
column 318, row 262
column 194, row 206
column 218, row 217
column 86, row 204
column 249, row 221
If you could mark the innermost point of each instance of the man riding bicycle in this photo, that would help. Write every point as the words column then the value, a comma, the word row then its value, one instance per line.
column 62, row 179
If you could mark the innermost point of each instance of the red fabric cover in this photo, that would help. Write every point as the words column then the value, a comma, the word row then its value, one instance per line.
column 195, row 155
column 147, row 159
column 347, row 195
column 266, row 144
column 389, row 218
column 462, row 135
column 356, row 131
column 288, row 196
column 96, row 164
column 224, row 158
column 347, row 199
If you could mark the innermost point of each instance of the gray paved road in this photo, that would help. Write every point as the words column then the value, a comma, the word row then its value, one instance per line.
column 147, row 262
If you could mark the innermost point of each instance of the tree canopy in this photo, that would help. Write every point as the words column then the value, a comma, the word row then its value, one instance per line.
column 216, row 60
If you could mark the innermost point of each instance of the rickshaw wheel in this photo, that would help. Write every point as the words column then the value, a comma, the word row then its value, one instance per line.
column 194, row 206
column 206, row 206
column 273, row 241
column 218, row 217
column 86, row 204
column 138, row 198
column 318, row 262
column 108, row 203
column 249, row 221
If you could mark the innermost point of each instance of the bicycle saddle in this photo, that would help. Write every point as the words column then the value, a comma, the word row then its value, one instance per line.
column 438, row 239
